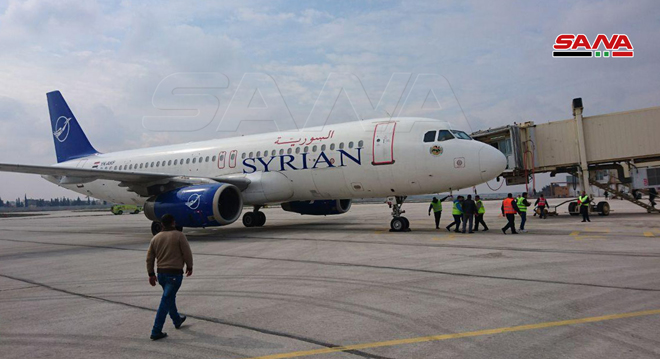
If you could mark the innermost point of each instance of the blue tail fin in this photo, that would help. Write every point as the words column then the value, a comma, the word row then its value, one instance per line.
column 70, row 140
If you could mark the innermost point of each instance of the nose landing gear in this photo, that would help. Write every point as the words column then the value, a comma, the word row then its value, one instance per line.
column 398, row 223
column 254, row 218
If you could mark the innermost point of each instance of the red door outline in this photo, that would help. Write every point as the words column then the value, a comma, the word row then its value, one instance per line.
column 232, row 158
column 221, row 159
column 391, row 136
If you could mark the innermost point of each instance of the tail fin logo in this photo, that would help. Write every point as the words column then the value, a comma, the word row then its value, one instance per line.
column 62, row 128
column 193, row 201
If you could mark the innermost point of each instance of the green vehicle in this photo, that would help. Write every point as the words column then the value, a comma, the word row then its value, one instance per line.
column 125, row 208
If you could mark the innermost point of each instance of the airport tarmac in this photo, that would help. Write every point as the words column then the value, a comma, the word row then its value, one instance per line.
column 74, row 285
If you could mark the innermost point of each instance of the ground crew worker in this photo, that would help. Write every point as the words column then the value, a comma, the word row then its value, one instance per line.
column 457, row 213
column 170, row 249
column 522, row 210
column 469, row 208
column 509, row 209
column 436, row 206
column 583, row 202
column 481, row 210
column 541, row 203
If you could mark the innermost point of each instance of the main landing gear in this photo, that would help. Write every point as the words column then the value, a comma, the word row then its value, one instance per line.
column 157, row 227
column 254, row 218
column 398, row 223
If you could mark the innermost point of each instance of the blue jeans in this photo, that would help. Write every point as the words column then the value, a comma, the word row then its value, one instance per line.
column 523, row 219
column 171, row 284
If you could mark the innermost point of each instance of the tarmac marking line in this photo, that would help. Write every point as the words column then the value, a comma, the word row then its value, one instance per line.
column 477, row 333
column 648, row 234
column 575, row 233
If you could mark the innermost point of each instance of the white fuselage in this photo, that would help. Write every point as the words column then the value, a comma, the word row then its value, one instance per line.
column 375, row 158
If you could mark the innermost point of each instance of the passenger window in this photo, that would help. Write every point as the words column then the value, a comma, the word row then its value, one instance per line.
column 258, row 154
column 360, row 144
column 281, row 152
column 430, row 136
column 444, row 135
column 187, row 161
column 201, row 159
column 322, row 148
column 332, row 147
column 169, row 163
column 243, row 155
column 207, row 159
column 141, row 164
column 461, row 135
column 273, row 153
column 350, row 144
column 158, row 164
column 194, row 160
column 297, row 150
column 306, row 149
column 175, row 162
column 232, row 156
column 250, row 155
column 341, row 145
column 314, row 148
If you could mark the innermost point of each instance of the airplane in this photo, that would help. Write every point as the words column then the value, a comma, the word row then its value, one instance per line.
column 314, row 171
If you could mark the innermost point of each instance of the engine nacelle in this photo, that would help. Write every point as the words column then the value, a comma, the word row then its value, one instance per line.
column 204, row 205
column 319, row 207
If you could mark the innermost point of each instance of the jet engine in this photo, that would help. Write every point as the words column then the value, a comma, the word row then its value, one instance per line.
column 319, row 207
column 204, row 205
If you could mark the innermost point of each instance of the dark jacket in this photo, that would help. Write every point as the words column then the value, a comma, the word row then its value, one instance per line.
column 469, row 207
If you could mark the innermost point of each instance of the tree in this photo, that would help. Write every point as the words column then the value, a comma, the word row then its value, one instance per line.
column 2, row 204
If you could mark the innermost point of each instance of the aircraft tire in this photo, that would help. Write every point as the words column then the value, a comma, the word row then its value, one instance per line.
column 261, row 219
column 250, row 219
column 398, row 224
column 156, row 227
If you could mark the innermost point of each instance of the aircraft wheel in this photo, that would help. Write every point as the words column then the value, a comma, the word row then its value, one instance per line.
column 407, row 223
column 136, row 211
column 250, row 219
column 398, row 224
column 261, row 219
column 156, row 227
column 120, row 212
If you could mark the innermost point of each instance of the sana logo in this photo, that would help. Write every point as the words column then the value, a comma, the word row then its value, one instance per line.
column 436, row 150
column 62, row 128
column 193, row 201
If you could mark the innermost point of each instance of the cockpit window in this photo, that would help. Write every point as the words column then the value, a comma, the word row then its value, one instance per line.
column 430, row 136
column 444, row 135
column 462, row 135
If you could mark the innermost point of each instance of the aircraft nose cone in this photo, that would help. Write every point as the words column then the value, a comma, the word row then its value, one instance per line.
column 491, row 162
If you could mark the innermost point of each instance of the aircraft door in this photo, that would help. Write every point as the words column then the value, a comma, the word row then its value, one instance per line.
column 383, row 144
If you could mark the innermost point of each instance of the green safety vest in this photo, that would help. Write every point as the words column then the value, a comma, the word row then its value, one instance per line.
column 521, row 205
column 455, row 209
column 584, row 200
column 437, row 206
column 481, row 209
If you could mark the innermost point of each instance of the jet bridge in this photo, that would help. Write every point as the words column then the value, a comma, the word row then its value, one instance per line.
column 625, row 142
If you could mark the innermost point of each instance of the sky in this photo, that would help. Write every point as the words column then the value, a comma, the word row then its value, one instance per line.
column 134, row 71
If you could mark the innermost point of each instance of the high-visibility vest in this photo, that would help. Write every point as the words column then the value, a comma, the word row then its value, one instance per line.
column 481, row 209
column 521, row 204
column 437, row 206
column 455, row 209
column 508, row 206
column 584, row 200
column 541, row 202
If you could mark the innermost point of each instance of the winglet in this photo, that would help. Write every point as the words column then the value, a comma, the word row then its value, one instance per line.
column 70, row 140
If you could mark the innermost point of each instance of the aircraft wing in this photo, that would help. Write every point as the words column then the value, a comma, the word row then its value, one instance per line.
column 145, row 184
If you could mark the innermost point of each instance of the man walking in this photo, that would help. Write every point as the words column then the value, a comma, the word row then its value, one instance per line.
column 436, row 206
column 509, row 209
column 583, row 202
column 541, row 203
column 170, row 249
column 481, row 210
column 522, row 210
column 653, row 193
column 457, row 213
column 469, row 208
